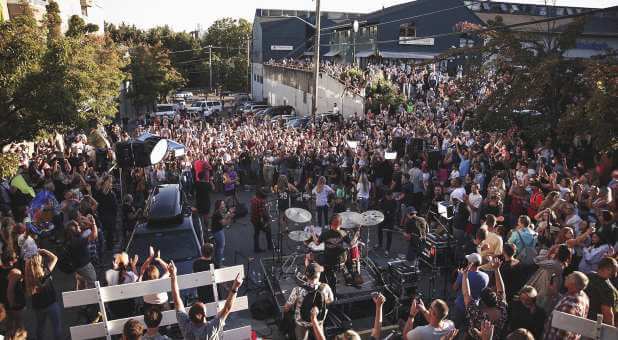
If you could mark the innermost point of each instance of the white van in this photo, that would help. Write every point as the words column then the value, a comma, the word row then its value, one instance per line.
column 206, row 107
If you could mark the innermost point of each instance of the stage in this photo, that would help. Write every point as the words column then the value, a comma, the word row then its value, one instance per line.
column 281, row 284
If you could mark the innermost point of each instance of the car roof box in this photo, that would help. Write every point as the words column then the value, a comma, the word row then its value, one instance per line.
column 164, row 206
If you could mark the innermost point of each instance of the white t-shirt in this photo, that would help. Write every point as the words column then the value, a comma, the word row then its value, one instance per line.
column 363, row 193
column 111, row 276
column 428, row 332
column 475, row 200
column 459, row 194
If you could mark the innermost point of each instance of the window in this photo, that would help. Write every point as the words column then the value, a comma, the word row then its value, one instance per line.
column 407, row 30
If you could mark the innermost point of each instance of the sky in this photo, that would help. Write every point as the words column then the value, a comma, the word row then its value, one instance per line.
column 186, row 15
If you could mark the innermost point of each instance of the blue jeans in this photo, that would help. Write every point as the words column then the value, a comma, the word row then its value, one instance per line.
column 53, row 313
column 322, row 215
column 219, row 246
column 363, row 204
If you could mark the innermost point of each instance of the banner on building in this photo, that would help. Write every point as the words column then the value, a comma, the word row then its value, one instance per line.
column 281, row 48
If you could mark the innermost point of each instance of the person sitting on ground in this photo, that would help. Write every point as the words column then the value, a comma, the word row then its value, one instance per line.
column 152, row 319
column 193, row 325
column 132, row 330
column 438, row 325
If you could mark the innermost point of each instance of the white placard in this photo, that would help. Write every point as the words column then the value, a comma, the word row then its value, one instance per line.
column 282, row 48
column 352, row 143
column 390, row 155
column 415, row 41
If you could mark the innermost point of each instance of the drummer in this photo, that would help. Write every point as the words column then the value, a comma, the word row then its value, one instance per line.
column 335, row 253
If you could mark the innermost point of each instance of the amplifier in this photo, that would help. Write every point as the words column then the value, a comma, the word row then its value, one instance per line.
column 438, row 251
column 402, row 277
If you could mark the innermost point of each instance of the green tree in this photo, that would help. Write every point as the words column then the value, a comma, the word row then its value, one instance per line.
column 527, row 72
column 78, row 82
column 22, row 45
column 77, row 26
column 152, row 74
column 53, row 20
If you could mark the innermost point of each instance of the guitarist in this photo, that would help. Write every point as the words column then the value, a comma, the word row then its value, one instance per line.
column 303, row 298
column 415, row 231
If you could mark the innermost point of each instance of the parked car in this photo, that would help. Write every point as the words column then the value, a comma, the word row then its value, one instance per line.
column 184, row 95
column 281, row 120
column 168, row 227
column 329, row 117
column 279, row 110
column 206, row 107
column 165, row 110
column 254, row 108
column 298, row 123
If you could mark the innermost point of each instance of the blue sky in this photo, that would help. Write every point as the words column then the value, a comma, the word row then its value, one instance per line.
column 187, row 14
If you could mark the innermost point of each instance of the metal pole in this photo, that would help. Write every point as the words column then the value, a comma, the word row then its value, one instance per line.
column 354, row 49
column 210, row 65
column 249, row 79
column 316, row 61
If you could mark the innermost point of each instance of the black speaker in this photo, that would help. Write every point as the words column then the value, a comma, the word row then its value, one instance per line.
column 124, row 155
column 140, row 153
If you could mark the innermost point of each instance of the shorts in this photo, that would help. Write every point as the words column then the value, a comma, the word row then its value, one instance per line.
column 88, row 274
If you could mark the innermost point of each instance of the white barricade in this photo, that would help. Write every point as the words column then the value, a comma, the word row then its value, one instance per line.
column 101, row 295
column 587, row 328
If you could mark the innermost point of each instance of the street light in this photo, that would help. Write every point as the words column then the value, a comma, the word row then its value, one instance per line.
column 355, row 29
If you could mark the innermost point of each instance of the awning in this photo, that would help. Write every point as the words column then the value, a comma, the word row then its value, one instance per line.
column 407, row 55
column 364, row 54
column 332, row 53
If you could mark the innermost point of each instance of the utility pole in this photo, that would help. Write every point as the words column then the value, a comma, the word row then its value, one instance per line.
column 316, row 61
column 210, row 65
column 249, row 64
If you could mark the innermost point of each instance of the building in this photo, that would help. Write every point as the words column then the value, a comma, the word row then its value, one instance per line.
column 86, row 9
column 4, row 11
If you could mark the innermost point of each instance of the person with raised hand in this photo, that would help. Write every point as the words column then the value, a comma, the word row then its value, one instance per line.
column 193, row 325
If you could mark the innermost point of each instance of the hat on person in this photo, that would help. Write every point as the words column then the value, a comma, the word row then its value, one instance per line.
column 411, row 210
column 313, row 268
column 474, row 258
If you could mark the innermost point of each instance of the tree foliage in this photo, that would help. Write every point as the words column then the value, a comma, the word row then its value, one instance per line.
column 515, row 74
column 54, row 85
column 190, row 55
column 152, row 74
column 77, row 26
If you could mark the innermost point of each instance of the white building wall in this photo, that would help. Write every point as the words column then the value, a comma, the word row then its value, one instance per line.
column 68, row 8
column 257, row 86
column 330, row 91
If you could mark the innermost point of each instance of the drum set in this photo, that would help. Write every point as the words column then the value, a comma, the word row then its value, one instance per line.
column 353, row 223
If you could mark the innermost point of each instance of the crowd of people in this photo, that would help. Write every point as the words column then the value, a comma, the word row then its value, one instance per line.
column 537, row 216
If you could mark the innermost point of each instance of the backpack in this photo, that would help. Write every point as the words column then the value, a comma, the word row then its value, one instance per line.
column 314, row 298
column 527, row 254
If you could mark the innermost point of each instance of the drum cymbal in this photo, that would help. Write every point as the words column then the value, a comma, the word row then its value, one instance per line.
column 298, row 215
column 372, row 217
column 299, row 236
column 315, row 247
column 349, row 218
